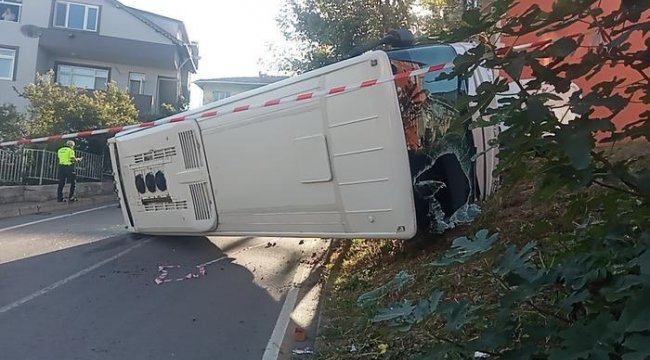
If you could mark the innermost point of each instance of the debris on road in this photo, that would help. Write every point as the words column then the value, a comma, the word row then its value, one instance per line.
column 305, row 351
column 301, row 242
column 270, row 244
column 162, row 273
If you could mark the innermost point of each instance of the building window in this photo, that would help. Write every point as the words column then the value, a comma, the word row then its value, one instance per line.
column 7, row 63
column 220, row 95
column 76, row 16
column 136, row 83
column 82, row 77
column 10, row 10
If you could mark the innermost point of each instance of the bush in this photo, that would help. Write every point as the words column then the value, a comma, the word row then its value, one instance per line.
column 12, row 123
column 57, row 109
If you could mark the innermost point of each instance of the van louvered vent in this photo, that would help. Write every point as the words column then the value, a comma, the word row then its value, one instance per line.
column 178, row 205
column 154, row 155
column 200, row 200
column 190, row 151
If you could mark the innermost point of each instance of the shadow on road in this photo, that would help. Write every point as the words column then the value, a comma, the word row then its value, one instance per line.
column 117, row 311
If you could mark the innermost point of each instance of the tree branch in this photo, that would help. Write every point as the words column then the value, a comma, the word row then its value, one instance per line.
column 636, row 190
column 547, row 313
column 615, row 188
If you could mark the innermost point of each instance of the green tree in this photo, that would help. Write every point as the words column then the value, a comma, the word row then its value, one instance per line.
column 12, row 123
column 56, row 109
column 442, row 15
column 325, row 31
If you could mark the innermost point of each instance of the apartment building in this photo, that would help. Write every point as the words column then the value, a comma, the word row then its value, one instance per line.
column 220, row 88
column 90, row 42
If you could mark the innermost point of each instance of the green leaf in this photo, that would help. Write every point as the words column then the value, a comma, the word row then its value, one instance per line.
column 589, row 339
column 401, row 281
column 578, row 147
column 515, row 67
column 644, row 262
column 577, row 141
column 562, row 47
column 639, row 344
column 574, row 298
column 402, row 310
column 426, row 307
column 472, row 17
column 457, row 314
column 635, row 316
column 517, row 262
column 463, row 248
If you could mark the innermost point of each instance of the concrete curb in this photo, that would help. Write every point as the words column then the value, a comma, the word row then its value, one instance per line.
column 11, row 195
column 20, row 209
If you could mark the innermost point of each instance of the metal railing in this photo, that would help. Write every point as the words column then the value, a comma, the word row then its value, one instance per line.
column 11, row 167
column 38, row 166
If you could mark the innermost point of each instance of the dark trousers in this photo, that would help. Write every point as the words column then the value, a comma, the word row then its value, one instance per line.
column 66, row 172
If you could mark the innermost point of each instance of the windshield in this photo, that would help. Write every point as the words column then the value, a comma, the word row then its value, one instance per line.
column 426, row 56
column 427, row 105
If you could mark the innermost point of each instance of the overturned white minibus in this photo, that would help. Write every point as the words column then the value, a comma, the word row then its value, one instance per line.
column 323, row 158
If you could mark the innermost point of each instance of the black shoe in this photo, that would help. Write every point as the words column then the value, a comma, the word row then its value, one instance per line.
column 59, row 200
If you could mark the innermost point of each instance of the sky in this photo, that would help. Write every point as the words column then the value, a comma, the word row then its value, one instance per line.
column 232, row 35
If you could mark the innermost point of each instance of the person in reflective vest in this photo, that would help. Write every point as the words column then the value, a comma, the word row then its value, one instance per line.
column 67, row 160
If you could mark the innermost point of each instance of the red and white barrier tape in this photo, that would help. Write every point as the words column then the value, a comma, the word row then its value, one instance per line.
column 214, row 111
column 534, row 45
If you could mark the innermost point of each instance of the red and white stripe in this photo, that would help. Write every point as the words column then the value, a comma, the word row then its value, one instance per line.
column 207, row 113
column 534, row 45
column 214, row 112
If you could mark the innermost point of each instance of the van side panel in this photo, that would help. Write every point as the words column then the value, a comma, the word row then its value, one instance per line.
column 329, row 166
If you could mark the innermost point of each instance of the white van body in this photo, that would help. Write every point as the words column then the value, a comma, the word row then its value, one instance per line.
column 331, row 166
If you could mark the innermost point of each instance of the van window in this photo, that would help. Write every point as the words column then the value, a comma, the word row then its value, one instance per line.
column 427, row 56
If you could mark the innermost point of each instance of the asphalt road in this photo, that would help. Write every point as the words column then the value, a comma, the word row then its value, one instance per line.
column 78, row 286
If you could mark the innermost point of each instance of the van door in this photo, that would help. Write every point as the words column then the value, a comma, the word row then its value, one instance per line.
column 164, row 181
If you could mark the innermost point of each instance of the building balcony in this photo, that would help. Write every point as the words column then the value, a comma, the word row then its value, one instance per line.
column 92, row 46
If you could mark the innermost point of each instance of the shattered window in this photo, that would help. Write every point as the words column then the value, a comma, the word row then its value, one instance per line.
column 439, row 145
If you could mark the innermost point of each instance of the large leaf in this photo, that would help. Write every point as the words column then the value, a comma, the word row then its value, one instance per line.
column 401, row 281
column 562, row 47
column 639, row 347
column 577, row 140
column 398, row 311
column 591, row 339
column 457, row 314
column 635, row 316
column 515, row 67
column 426, row 307
column 518, row 262
column 464, row 248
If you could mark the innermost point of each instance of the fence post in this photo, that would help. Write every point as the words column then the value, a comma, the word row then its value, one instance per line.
column 101, row 171
column 40, row 176
column 23, row 166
